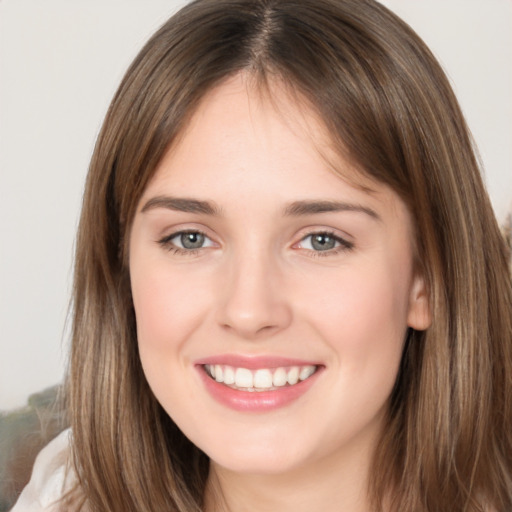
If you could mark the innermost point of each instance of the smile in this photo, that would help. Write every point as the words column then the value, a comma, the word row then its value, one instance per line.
column 257, row 384
column 262, row 379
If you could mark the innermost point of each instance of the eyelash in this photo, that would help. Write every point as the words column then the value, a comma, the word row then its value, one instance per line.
column 344, row 245
column 166, row 243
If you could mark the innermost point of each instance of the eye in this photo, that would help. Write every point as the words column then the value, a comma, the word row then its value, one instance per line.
column 186, row 241
column 190, row 240
column 324, row 242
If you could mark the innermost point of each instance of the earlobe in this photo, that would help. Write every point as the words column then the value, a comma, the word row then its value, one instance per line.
column 419, row 316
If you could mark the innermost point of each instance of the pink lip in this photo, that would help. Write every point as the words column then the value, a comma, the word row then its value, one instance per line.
column 255, row 401
column 254, row 362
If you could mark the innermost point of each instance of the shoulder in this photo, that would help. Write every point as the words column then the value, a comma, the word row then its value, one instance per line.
column 52, row 476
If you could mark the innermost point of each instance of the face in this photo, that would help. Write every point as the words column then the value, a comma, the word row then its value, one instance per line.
column 272, row 297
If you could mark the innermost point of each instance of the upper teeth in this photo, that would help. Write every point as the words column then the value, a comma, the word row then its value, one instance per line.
column 263, row 378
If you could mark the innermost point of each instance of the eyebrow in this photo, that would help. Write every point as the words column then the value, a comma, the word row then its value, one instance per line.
column 295, row 209
column 180, row 204
column 298, row 208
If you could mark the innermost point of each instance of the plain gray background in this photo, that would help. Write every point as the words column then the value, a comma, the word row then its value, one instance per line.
column 60, row 63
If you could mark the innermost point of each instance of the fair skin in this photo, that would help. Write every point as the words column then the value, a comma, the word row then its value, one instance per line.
column 248, row 251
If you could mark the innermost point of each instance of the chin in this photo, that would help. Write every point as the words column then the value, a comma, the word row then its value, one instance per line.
column 262, row 463
column 254, row 451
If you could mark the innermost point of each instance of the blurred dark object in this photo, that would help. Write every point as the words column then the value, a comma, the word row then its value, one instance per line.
column 23, row 433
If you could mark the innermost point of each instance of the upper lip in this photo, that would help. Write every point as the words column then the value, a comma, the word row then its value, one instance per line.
column 253, row 362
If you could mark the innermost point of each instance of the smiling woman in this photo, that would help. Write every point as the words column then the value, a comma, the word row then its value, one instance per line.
column 276, row 290
column 282, row 297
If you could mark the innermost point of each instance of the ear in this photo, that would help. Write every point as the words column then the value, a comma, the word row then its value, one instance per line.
column 419, row 316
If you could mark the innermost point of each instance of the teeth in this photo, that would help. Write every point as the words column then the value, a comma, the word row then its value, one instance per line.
column 305, row 372
column 229, row 375
column 280, row 378
column 293, row 375
column 261, row 379
column 219, row 373
column 243, row 378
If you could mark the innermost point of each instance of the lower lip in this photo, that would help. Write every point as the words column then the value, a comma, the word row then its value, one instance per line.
column 255, row 401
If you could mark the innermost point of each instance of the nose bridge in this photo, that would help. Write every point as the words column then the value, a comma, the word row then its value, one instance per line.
column 254, row 299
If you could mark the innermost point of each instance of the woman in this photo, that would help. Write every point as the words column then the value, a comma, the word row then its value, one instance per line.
column 290, row 288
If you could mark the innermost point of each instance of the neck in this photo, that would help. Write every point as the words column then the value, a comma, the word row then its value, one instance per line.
column 332, row 484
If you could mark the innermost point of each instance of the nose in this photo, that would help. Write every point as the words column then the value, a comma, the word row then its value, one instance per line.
column 253, row 299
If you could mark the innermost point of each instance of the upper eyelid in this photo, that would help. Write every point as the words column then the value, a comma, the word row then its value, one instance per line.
column 335, row 233
column 174, row 234
column 171, row 231
column 343, row 238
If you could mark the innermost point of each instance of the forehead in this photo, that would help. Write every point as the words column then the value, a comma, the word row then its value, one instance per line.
column 243, row 140
column 272, row 115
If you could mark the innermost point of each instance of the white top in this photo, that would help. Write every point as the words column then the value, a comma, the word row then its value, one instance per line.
column 52, row 476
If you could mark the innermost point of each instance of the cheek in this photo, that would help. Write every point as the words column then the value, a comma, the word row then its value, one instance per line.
column 371, row 300
column 170, row 304
column 167, row 306
column 166, row 312
column 362, row 315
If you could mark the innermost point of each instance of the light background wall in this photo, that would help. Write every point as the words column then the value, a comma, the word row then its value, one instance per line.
column 60, row 63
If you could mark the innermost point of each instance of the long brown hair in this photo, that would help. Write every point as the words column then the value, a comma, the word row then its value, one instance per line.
column 447, row 444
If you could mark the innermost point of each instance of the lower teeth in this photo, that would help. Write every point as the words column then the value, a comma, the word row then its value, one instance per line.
column 257, row 390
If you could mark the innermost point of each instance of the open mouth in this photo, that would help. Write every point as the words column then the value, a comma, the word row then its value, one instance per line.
column 262, row 379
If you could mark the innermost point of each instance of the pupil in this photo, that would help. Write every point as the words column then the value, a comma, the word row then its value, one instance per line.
column 322, row 242
column 192, row 240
